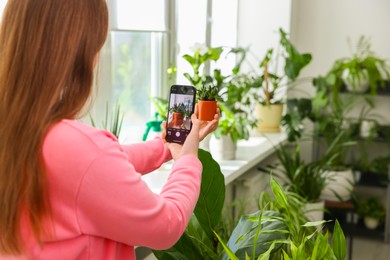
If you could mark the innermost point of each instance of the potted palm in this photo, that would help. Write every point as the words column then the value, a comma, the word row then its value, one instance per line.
column 362, row 71
column 302, row 178
column 270, row 82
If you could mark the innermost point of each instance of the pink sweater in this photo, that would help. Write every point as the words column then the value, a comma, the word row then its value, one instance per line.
column 101, row 207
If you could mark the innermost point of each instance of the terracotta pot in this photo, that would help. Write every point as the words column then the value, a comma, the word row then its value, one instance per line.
column 177, row 120
column 269, row 117
column 207, row 109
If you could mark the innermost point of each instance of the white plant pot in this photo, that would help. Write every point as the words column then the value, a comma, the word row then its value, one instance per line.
column 360, row 86
column 366, row 128
column 371, row 223
column 339, row 184
column 268, row 117
column 222, row 148
column 315, row 211
column 205, row 143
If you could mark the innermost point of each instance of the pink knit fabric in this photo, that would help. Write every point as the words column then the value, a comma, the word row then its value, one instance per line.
column 101, row 207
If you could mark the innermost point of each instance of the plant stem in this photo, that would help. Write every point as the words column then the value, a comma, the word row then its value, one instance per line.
column 267, row 97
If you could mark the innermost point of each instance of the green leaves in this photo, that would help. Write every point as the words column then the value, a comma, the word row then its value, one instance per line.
column 199, row 241
column 255, row 234
column 338, row 242
column 212, row 194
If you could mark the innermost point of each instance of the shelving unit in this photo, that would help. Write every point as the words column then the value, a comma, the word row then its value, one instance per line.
column 369, row 184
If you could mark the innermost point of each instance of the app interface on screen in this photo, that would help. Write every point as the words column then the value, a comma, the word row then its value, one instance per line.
column 179, row 117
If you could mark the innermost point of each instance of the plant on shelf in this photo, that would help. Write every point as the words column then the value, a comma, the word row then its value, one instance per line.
column 207, row 102
column 371, row 210
column 361, row 72
column 302, row 178
column 271, row 82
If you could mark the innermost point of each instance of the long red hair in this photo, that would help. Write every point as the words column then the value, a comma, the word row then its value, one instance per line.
column 47, row 56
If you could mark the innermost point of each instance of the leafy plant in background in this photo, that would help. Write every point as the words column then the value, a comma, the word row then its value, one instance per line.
column 279, row 230
column 232, row 89
column 370, row 207
column 270, row 81
column 161, row 105
column 200, row 57
column 305, row 179
column 362, row 65
column 115, row 124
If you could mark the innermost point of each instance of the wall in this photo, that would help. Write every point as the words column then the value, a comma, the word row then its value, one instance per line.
column 322, row 27
column 258, row 24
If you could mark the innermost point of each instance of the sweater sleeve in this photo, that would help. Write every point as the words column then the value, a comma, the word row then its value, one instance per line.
column 114, row 202
column 147, row 156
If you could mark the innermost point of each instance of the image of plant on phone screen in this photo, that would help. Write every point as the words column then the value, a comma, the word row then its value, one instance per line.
column 181, row 106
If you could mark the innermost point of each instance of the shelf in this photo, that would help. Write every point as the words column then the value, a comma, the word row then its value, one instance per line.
column 373, row 180
column 343, row 212
column 381, row 91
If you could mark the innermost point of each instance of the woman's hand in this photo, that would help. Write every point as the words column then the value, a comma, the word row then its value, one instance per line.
column 200, row 129
column 207, row 127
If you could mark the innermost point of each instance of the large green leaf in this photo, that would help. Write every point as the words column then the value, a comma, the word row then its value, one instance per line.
column 212, row 194
column 184, row 249
column 338, row 242
column 197, row 241
column 244, row 236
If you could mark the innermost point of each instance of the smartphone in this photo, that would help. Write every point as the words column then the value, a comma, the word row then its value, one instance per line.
column 181, row 106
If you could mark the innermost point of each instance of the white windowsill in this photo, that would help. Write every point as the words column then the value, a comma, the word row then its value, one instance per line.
column 249, row 154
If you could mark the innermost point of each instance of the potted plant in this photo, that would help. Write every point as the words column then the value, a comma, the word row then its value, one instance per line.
column 207, row 102
column 178, row 112
column 302, row 178
column 270, row 82
column 371, row 210
column 279, row 230
column 362, row 71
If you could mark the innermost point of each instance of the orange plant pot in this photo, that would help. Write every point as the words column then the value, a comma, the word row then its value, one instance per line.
column 177, row 120
column 207, row 109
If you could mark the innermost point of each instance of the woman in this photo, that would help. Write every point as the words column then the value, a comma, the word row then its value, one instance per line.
column 67, row 190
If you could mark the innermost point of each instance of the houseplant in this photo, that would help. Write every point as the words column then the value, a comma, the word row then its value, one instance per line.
column 113, row 124
column 207, row 102
column 178, row 113
column 361, row 72
column 279, row 230
column 371, row 210
column 235, row 122
column 270, row 82
column 302, row 178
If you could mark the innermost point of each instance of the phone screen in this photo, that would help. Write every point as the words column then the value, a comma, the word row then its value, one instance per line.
column 180, row 108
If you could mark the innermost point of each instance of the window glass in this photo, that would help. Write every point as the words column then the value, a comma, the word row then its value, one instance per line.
column 224, row 31
column 135, row 63
column 191, row 29
column 145, row 15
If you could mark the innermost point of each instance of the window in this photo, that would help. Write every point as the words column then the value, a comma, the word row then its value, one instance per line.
column 145, row 41
column 135, row 53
